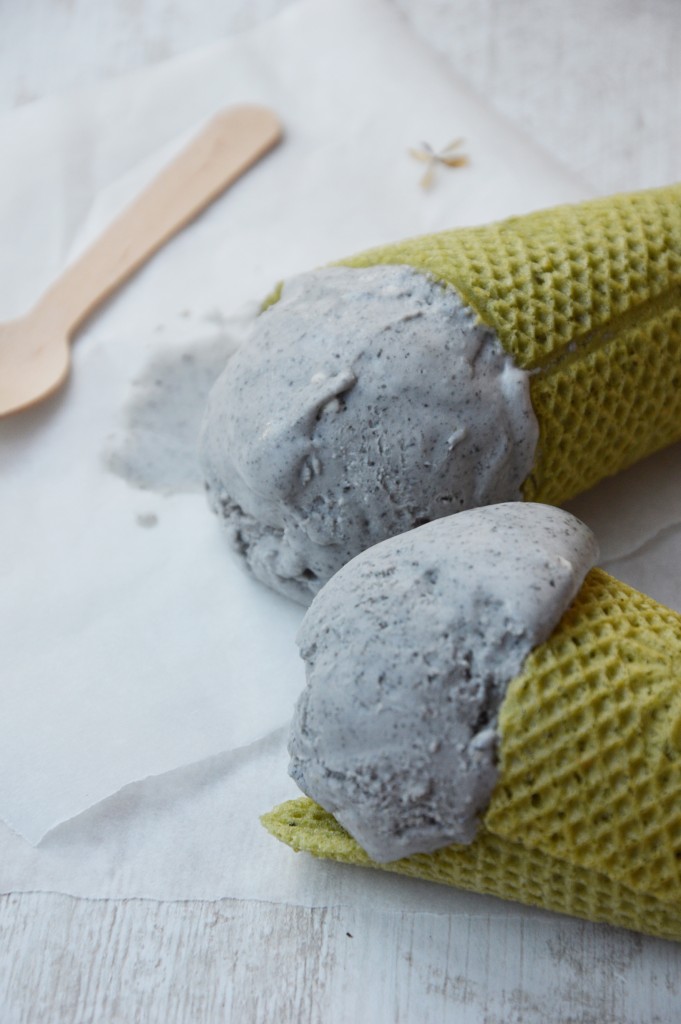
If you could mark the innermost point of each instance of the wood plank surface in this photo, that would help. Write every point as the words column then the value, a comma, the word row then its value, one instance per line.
column 125, row 961
column 596, row 82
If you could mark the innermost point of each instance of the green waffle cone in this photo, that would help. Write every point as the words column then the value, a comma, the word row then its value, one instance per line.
column 585, row 818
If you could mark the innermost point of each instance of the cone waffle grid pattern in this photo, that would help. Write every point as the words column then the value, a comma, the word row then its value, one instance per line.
column 586, row 815
column 590, row 766
column 490, row 865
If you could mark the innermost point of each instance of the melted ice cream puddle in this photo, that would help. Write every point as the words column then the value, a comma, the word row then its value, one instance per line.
column 157, row 448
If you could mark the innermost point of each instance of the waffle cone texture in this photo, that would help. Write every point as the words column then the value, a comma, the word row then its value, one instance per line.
column 587, row 298
column 585, row 818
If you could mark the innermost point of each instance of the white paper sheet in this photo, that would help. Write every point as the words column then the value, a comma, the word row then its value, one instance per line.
column 130, row 651
column 134, row 652
column 194, row 834
column 629, row 510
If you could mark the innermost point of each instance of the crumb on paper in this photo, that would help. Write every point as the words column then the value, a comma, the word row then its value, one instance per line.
column 215, row 316
column 147, row 520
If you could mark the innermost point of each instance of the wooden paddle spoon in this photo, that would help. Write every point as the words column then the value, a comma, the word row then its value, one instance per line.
column 35, row 349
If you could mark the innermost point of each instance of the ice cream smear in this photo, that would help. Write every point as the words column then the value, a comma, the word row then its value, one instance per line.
column 366, row 402
column 409, row 652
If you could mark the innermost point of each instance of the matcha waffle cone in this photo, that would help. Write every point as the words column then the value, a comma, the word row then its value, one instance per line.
column 585, row 815
column 587, row 299
column 526, row 359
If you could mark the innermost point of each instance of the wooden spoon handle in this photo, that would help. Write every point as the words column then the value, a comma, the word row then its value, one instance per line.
column 229, row 144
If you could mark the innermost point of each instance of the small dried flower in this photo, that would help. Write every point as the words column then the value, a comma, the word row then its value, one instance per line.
column 446, row 157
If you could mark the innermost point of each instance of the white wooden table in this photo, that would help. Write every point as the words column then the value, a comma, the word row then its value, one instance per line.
column 598, row 83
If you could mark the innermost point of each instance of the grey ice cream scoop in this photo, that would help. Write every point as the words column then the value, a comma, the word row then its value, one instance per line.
column 409, row 651
column 367, row 402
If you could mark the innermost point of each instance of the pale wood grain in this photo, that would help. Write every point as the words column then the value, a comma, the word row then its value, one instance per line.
column 596, row 82
column 49, row 46
column 122, row 961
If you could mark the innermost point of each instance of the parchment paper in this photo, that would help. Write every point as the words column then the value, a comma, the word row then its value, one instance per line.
column 144, row 673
